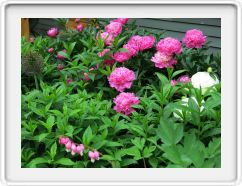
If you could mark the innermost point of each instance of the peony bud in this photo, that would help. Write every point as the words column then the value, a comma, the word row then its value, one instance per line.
column 52, row 32
column 79, row 27
column 60, row 67
column 50, row 50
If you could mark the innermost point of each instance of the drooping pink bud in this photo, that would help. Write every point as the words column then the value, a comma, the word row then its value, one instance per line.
column 80, row 149
column 50, row 50
column 79, row 27
column 69, row 81
column 59, row 56
column 93, row 155
column 73, row 149
column 60, row 67
column 68, row 146
column 52, row 32
column 31, row 39
column 63, row 140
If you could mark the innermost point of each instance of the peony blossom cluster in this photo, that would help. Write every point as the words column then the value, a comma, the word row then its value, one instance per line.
column 135, row 44
column 124, row 102
column 166, row 49
column 78, row 148
column 194, row 38
column 113, row 29
column 121, row 78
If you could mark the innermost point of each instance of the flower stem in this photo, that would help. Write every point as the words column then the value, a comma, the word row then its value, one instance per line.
column 36, row 82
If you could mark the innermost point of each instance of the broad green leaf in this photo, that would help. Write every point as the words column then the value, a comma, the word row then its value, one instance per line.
column 87, row 136
column 64, row 161
column 53, row 150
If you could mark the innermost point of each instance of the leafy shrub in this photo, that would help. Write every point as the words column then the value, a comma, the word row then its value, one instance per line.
column 172, row 124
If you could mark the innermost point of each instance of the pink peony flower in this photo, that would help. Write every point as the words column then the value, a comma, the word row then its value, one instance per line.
column 135, row 40
column 80, row 149
column 173, row 82
column 63, row 140
column 52, row 32
column 162, row 60
column 121, row 57
column 184, row 79
column 194, row 38
column 146, row 42
column 121, row 20
column 93, row 155
column 60, row 67
column 124, row 101
column 69, row 81
column 121, row 78
column 132, row 49
column 68, row 146
column 106, row 37
column 59, row 56
column 114, row 28
column 50, row 50
column 169, row 46
column 101, row 54
column 79, row 27
column 77, row 20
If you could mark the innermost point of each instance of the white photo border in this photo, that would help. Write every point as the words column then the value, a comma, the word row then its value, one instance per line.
column 3, row 94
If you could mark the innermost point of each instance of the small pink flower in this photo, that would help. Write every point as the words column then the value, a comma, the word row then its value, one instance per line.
column 184, row 79
column 169, row 46
column 194, row 38
column 132, row 49
column 121, row 20
column 69, row 81
column 60, row 67
column 114, row 28
column 93, row 155
column 73, row 149
column 121, row 78
column 162, row 60
column 124, row 101
column 68, row 146
column 101, row 54
column 52, row 32
column 77, row 20
column 146, row 42
column 173, row 82
column 106, row 37
column 59, row 56
column 31, row 39
column 50, row 50
column 63, row 140
column 121, row 57
column 80, row 149
column 79, row 27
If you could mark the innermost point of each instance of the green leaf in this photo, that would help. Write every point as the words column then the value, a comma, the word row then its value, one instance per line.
column 177, row 73
column 172, row 154
column 53, row 150
column 139, row 142
column 87, row 136
column 133, row 151
column 169, row 132
column 162, row 78
column 36, row 161
column 50, row 123
column 64, row 161
column 148, row 151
